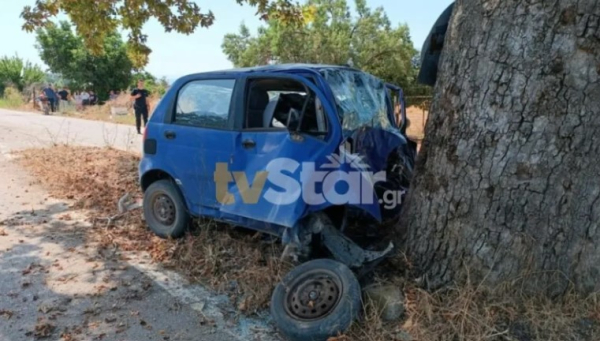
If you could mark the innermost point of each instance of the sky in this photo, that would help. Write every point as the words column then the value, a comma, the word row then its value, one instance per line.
column 174, row 55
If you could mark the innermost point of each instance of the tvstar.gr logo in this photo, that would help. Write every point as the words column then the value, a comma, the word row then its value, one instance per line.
column 344, row 179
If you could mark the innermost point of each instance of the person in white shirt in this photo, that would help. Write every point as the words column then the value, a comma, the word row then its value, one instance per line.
column 85, row 98
column 78, row 101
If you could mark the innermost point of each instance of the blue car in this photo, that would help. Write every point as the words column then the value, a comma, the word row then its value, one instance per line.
column 301, row 152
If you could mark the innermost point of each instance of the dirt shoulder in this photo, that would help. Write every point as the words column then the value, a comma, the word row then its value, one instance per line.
column 244, row 266
column 59, row 281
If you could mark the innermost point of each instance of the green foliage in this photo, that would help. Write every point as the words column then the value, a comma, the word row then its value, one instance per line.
column 15, row 72
column 95, row 21
column 11, row 99
column 65, row 53
column 331, row 34
column 151, row 83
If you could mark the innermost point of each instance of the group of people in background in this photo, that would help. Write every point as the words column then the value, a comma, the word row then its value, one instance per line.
column 62, row 97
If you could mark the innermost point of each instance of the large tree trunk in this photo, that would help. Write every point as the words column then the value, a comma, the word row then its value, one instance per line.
column 508, row 180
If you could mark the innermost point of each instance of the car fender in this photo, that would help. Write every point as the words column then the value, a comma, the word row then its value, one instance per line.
column 148, row 164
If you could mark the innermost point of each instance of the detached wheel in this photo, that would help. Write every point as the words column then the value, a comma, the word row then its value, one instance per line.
column 316, row 300
column 164, row 210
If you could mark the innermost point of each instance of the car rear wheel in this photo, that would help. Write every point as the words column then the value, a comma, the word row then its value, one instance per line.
column 316, row 300
column 164, row 210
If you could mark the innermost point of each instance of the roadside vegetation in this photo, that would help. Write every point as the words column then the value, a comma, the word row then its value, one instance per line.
column 11, row 99
column 246, row 265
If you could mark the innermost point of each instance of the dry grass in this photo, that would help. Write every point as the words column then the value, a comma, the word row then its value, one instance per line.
column 232, row 261
column 93, row 112
column 102, row 113
column 476, row 313
column 246, row 266
column 473, row 313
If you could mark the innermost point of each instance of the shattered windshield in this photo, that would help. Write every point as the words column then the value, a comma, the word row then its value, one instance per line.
column 360, row 98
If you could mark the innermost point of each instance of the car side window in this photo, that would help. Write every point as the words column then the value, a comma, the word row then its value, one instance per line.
column 278, row 103
column 205, row 103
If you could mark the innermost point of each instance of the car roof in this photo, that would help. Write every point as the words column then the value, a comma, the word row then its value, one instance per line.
column 275, row 67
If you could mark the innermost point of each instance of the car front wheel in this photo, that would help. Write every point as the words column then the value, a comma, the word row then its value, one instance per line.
column 164, row 210
column 316, row 300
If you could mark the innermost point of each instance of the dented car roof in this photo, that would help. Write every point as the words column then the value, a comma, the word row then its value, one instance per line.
column 277, row 68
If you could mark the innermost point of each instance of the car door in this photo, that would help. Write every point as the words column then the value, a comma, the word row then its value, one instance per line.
column 198, row 137
column 267, row 168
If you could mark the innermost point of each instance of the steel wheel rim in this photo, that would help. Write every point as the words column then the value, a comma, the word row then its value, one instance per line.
column 313, row 295
column 163, row 209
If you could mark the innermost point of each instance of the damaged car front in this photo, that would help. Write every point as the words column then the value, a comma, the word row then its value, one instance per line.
column 367, row 178
column 374, row 149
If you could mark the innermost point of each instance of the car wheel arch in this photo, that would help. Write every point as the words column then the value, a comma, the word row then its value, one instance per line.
column 154, row 175
column 151, row 176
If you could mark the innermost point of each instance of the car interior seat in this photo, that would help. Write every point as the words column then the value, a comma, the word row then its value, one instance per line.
column 270, row 112
column 257, row 103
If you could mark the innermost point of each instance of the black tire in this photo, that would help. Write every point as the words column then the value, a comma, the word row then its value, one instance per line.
column 290, row 318
column 173, row 218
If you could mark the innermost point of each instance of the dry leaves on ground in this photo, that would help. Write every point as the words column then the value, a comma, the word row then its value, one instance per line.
column 246, row 265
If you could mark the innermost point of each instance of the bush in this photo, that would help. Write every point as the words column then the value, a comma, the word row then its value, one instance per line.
column 11, row 98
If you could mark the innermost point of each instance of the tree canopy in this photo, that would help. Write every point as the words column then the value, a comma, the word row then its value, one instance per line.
column 330, row 34
column 95, row 21
column 18, row 73
column 151, row 83
column 65, row 53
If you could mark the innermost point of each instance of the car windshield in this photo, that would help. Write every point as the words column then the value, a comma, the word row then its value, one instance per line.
column 360, row 98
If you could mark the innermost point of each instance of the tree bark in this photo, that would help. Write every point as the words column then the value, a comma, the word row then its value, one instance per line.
column 508, row 180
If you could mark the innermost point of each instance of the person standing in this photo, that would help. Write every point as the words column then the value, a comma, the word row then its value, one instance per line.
column 112, row 95
column 51, row 97
column 63, row 96
column 141, row 105
column 85, row 98
column 93, row 98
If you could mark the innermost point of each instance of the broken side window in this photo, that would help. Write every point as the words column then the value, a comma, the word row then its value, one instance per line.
column 283, row 104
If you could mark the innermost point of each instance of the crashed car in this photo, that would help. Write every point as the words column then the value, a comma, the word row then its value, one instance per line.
column 301, row 152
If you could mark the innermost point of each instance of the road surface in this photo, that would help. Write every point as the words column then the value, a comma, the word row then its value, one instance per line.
column 56, row 284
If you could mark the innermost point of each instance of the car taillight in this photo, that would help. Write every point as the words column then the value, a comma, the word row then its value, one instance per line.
column 145, row 134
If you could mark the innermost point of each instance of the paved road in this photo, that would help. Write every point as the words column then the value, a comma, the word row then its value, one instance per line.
column 35, row 130
column 54, row 281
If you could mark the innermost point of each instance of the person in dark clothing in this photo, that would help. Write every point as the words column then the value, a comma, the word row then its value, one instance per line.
column 51, row 96
column 63, row 98
column 63, row 94
column 141, row 104
column 93, row 98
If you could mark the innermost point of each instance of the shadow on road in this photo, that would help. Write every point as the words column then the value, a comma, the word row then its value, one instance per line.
column 58, row 281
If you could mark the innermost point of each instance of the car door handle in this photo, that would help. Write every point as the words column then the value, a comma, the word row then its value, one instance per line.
column 249, row 144
column 170, row 134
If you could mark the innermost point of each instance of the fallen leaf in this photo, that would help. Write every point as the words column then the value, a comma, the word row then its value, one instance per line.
column 43, row 330
column 6, row 313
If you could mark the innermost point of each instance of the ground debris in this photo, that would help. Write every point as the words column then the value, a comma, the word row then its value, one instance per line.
column 6, row 313
column 43, row 329
column 213, row 254
column 246, row 267
column 54, row 305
